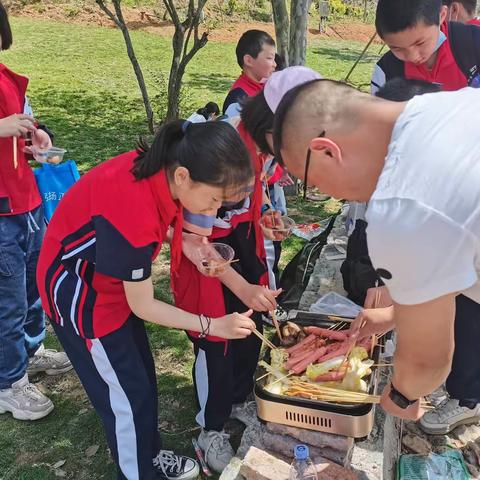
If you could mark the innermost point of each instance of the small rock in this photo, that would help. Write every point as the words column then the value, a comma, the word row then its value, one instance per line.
column 92, row 450
column 232, row 470
column 285, row 444
column 60, row 473
column 252, row 437
column 467, row 433
column 311, row 437
column 59, row 464
column 417, row 444
column 260, row 465
column 327, row 470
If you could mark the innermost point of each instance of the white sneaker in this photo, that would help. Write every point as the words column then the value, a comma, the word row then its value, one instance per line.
column 25, row 401
column 217, row 450
column 175, row 467
column 448, row 416
column 49, row 361
column 245, row 412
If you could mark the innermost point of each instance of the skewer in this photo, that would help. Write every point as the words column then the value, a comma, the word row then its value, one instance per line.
column 281, row 378
column 264, row 339
column 15, row 153
column 268, row 194
column 277, row 326
column 263, row 376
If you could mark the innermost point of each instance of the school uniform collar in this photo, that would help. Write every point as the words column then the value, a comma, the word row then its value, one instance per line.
column 171, row 213
column 248, row 85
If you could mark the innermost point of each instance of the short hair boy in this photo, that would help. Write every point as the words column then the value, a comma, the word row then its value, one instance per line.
column 423, row 46
column 256, row 57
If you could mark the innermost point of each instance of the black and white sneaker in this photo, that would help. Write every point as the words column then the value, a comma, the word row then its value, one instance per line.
column 175, row 467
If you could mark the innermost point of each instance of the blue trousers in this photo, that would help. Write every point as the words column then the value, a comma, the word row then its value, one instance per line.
column 118, row 374
column 22, row 324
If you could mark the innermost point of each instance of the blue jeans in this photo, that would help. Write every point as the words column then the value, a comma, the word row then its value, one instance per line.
column 22, row 323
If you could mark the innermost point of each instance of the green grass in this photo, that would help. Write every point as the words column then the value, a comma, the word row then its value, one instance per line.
column 82, row 86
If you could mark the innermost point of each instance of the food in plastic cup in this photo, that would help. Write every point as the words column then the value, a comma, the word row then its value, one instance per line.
column 215, row 258
column 276, row 228
column 52, row 155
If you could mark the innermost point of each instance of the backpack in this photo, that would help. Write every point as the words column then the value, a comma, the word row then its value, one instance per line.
column 357, row 270
column 465, row 44
column 296, row 274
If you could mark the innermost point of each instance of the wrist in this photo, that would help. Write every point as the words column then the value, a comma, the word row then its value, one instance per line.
column 399, row 399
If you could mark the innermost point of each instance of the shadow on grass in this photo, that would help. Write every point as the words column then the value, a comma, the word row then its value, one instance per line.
column 219, row 84
column 344, row 54
column 92, row 127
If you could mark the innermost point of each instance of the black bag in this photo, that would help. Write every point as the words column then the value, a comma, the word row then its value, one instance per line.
column 295, row 276
column 465, row 44
column 357, row 270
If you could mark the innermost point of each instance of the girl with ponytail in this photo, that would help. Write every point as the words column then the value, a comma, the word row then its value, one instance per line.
column 94, row 277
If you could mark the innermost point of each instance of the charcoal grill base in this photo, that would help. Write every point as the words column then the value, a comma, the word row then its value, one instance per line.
column 314, row 419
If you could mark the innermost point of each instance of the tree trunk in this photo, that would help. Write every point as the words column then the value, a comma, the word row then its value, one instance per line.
column 282, row 28
column 298, row 31
column 175, row 79
column 119, row 21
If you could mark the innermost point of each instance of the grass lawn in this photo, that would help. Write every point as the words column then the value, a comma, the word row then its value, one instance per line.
column 82, row 86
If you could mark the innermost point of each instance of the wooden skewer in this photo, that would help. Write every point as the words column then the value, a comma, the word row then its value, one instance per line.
column 263, row 376
column 15, row 153
column 264, row 339
column 282, row 378
column 277, row 326
column 268, row 196
column 380, row 365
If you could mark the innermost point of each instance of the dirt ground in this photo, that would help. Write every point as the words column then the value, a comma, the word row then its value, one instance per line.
column 223, row 28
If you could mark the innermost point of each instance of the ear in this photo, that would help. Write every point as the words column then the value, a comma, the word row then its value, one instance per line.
column 326, row 147
column 181, row 176
column 247, row 60
column 443, row 13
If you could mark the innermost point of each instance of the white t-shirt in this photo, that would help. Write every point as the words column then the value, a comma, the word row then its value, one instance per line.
column 424, row 216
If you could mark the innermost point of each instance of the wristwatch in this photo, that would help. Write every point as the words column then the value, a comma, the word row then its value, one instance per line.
column 399, row 399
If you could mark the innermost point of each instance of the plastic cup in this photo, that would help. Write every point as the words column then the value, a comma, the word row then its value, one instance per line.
column 53, row 155
column 282, row 229
column 215, row 258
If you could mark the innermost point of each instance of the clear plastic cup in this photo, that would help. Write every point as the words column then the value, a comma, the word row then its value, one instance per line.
column 52, row 155
column 276, row 228
column 215, row 258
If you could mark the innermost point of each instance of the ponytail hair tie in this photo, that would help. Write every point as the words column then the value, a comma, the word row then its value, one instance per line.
column 185, row 125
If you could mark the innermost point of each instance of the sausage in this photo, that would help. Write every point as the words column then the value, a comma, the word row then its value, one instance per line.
column 301, row 345
column 301, row 366
column 324, row 332
column 331, row 376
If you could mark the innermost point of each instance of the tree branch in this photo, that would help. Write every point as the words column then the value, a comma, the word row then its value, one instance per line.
column 108, row 12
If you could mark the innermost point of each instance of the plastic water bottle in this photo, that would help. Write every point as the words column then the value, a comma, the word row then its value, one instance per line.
column 302, row 467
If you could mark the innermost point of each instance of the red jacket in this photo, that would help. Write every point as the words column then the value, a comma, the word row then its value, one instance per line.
column 18, row 189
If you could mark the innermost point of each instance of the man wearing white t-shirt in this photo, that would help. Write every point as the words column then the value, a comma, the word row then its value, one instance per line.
column 418, row 166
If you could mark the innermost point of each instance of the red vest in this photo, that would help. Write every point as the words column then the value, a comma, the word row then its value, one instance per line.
column 18, row 189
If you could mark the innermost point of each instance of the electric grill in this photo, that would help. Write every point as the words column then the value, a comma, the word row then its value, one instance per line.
column 351, row 420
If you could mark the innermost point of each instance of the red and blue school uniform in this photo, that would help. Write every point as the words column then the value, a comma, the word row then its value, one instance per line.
column 21, row 232
column 446, row 71
column 223, row 369
column 108, row 229
column 242, row 88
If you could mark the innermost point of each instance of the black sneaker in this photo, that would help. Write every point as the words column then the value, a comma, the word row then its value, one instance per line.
column 175, row 467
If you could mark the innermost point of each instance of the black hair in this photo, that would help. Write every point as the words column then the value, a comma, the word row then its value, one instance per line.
column 280, row 62
column 469, row 5
column 400, row 89
column 5, row 30
column 258, row 120
column 251, row 43
column 213, row 153
column 209, row 109
column 395, row 16
column 279, row 118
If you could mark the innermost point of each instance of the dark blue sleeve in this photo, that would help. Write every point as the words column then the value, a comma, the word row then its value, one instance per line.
column 234, row 96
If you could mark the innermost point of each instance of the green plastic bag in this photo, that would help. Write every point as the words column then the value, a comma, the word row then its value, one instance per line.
column 444, row 466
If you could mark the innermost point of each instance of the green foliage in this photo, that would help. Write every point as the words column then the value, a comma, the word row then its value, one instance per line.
column 337, row 8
